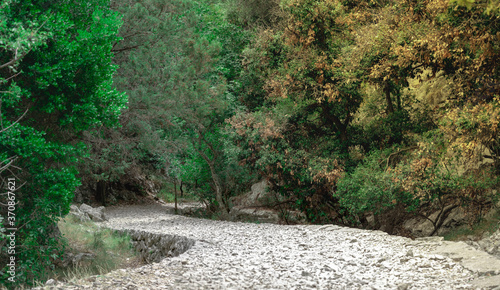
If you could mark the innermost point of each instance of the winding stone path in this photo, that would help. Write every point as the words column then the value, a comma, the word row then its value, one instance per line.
column 228, row 255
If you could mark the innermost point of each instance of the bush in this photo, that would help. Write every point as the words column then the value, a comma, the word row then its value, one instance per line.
column 371, row 189
column 419, row 179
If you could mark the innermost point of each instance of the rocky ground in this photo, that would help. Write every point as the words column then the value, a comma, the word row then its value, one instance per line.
column 229, row 255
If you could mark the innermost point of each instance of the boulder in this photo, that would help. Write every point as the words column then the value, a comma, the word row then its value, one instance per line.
column 96, row 214
column 71, row 260
column 76, row 212
column 50, row 282
column 257, row 196
column 259, row 205
column 422, row 227
column 152, row 248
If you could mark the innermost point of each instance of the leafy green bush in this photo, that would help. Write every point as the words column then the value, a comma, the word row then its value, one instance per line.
column 55, row 81
column 371, row 189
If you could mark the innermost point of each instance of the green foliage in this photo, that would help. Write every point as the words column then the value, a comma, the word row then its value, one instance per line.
column 333, row 122
column 492, row 6
column 414, row 179
column 180, row 64
column 370, row 188
column 384, row 131
column 254, row 12
column 69, row 50
column 303, row 175
column 55, row 81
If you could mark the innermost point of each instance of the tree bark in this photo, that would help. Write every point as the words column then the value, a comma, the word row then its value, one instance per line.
column 341, row 127
column 387, row 91
column 218, row 188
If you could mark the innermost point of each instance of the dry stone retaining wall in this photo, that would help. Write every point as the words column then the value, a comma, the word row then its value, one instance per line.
column 154, row 247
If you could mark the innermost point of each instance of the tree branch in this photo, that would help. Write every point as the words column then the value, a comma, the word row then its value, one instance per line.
column 17, row 121
column 13, row 60
column 395, row 153
column 124, row 49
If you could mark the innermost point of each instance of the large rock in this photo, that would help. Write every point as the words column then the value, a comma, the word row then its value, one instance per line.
column 254, row 214
column 96, row 214
column 471, row 258
column 251, row 206
column 257, row 196
column 422, row 227
column 76, row 212
column 79, row 259
column 259, row 205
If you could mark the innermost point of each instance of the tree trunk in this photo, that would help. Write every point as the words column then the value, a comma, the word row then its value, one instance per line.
column 175, row 195
column 218, row 189
column 341, row 127
column 101, row 192
column 398, row 101
column 387, row 91
column 211, row 163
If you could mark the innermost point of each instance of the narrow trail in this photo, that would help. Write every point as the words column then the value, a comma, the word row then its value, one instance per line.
column 229, row 255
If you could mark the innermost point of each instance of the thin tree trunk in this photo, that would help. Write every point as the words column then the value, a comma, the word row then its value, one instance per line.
column 218, row 189
column 175, row 195
column 101, row 192
column 211, row 163
column 398, row 101
column 341, row 127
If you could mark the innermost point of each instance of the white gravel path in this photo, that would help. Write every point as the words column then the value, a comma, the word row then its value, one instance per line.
column 230, row 255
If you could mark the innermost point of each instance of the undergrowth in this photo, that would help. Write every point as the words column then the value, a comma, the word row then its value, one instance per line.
column 105, row 250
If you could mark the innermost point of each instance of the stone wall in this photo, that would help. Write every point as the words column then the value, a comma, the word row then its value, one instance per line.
column 152, row 248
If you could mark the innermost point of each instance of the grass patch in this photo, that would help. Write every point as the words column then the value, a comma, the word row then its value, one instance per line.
column 104, row 250
column 487, row 225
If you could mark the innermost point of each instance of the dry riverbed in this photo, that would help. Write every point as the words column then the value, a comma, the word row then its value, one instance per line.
column 229, row 255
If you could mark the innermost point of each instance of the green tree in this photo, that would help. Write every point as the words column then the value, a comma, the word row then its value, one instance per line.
column 179, row 63
column 55, row 81
column 312, row 98
column 329, row 87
